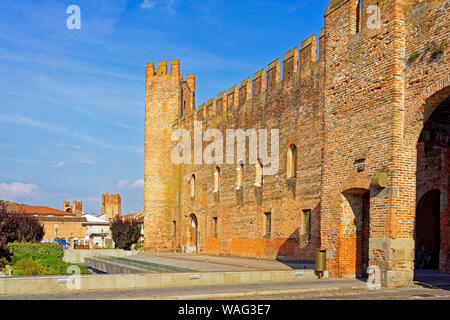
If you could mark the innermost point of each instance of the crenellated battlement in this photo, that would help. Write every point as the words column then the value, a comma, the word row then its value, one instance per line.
column 162, row 70
column 76, row 208
column 299, row 67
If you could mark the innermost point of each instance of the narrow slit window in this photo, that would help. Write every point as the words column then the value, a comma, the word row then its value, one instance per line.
column 291, row 161
column 268, row 224
column 240, row 176
column 217, row 179
column 307, row 223
column 215, row 230
column 258, row 174
column 174, row 228
column 358, row 16
column 192, row 186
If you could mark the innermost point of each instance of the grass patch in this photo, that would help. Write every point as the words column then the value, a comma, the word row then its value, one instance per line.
column 413, row 57
column 29, row 259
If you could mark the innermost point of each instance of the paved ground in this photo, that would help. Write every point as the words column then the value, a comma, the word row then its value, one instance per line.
column 181, row 262
column 416, row 293
column 220, row 263
column 428, row 285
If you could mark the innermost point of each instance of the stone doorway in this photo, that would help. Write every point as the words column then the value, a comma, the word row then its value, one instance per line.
column 355, row 234
column 192, row 235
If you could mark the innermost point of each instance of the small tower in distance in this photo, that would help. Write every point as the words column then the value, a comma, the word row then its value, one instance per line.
column 111, row 206
column 76, row 208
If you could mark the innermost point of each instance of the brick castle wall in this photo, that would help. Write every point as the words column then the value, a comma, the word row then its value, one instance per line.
column 355, row 114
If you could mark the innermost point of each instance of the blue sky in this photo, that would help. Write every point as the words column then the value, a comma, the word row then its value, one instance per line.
column 72, row 101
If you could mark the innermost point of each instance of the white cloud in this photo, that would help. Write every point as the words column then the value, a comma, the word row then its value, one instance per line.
column 147, row 4
column 122, row 183
column 77, row 147
column 165, row 4
column 59, row 165
column 17, row 191
column 138, row 184
column 59, row 129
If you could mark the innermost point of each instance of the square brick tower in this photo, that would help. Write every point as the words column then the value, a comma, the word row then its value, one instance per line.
column 168, row 97
column 76, row 208
column 111, row 206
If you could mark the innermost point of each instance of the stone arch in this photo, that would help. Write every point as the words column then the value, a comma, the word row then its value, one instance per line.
column 430, row 154
column 291, row 161
column 192, row 186
column 422, row 108
column 192, row 234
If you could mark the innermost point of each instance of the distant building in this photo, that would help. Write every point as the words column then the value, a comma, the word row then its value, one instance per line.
column 57, row 223
column 98, row 233
column 76, row 208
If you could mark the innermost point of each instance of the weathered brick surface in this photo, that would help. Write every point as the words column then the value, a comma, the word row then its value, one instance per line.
column 355, row 115
column 111, row 206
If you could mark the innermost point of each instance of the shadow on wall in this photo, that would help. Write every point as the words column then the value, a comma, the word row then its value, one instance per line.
column 302, row 244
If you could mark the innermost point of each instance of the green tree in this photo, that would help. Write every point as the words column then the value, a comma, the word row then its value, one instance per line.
column 125, row 232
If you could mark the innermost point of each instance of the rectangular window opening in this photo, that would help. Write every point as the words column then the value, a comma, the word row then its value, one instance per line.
column 307, row 222
column 215, row 227
column 268, row 224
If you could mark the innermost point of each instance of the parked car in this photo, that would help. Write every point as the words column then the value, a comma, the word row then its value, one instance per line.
column 63, row 243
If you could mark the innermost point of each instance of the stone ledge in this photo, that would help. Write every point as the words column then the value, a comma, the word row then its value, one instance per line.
column 58, row 284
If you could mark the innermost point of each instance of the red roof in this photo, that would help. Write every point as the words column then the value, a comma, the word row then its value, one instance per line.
column 42, row 211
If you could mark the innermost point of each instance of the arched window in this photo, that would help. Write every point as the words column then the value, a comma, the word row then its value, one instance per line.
column 192, row 186
column 291, row 161
column 358, row 17
column 217, row 179
column 240, row 176
column 258, row 174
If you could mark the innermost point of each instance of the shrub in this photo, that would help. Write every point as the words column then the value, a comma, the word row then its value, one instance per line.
column 29, row 229
column 3, row 263
column 27, row 266
column 17, row 227
column 24, row 265
column 414, row 56
column 9, row 222
column 125, row 233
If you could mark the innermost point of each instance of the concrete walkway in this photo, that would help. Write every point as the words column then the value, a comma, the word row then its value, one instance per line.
column 222, row 263
column 197, row 265
column 204, row 292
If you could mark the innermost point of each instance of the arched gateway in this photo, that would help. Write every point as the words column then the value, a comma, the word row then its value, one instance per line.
column 432, row 230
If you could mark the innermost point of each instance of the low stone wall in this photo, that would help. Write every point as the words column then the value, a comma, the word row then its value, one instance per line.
column 78, row 256
column 56, row 284
column 110, row 267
